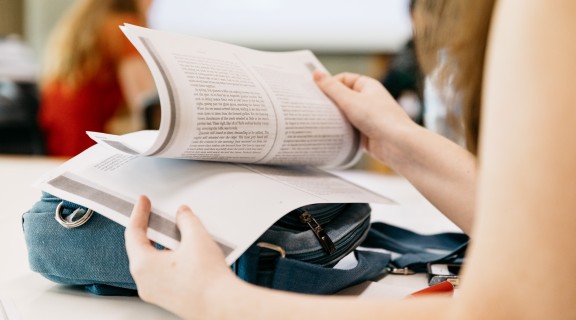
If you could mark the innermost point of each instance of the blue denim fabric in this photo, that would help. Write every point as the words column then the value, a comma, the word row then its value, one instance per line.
column 92, row 255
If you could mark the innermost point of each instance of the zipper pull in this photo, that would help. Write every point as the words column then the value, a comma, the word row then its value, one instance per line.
column 324, row 239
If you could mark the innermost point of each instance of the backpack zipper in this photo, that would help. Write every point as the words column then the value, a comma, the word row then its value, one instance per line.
column 324, row 239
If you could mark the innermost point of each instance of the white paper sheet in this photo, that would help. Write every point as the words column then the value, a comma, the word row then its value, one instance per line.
column 236, row 203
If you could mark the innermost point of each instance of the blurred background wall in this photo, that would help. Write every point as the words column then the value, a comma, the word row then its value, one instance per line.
column 11, row 17
column 348, row 49
column 34, row 19
column 39, row 18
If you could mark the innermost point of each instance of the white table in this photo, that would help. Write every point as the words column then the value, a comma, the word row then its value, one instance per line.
column 28, row 295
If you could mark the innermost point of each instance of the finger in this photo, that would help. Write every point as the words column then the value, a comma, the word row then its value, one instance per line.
column 140, row 213
column 135, row 234
column 356, row 82
column 348, row 78
column 334, row 88
column 193, row 232
column 189, row 224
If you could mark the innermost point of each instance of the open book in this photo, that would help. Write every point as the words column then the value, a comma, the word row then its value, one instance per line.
column 221, row 102
column 229, row 105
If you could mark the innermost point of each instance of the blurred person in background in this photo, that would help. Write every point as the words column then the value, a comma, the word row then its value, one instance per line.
column 91, row 72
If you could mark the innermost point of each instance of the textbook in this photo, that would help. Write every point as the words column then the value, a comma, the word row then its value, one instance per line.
column 222, row 102
column 245, row 137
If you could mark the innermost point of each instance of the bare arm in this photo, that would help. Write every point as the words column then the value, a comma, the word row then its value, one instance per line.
column 527, row 189
column 441, row 170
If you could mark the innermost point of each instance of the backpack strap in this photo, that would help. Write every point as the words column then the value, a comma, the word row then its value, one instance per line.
column 299, row 276
column 416, row 250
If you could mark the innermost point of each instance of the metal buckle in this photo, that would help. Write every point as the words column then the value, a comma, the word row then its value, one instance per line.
column 69, row 222
column 273, row 247
column 400, row 271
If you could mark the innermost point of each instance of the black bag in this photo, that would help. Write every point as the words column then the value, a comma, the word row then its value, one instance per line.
column 299, row 251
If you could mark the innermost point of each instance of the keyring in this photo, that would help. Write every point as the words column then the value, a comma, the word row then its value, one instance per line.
column 69, row 222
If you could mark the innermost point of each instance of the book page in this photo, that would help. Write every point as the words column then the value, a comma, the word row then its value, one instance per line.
column 222, row 102
column 236, row 203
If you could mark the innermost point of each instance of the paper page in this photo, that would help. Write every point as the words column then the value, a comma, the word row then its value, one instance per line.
column 236, row 203
column 233, row 104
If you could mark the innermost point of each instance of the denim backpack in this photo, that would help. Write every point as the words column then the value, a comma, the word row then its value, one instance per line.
column 298, row 253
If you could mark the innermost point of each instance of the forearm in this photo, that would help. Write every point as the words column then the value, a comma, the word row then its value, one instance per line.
column 444, row 172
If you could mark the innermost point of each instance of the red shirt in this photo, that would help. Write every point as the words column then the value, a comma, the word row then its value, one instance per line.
column 66, row 114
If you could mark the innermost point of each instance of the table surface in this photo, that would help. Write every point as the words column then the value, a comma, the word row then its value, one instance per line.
column 27, row 295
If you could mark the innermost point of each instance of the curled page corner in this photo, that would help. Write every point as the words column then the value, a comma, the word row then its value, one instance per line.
column 135, row 143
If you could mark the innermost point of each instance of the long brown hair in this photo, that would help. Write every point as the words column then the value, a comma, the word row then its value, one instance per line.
column 74, row 49
column 451, row 38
